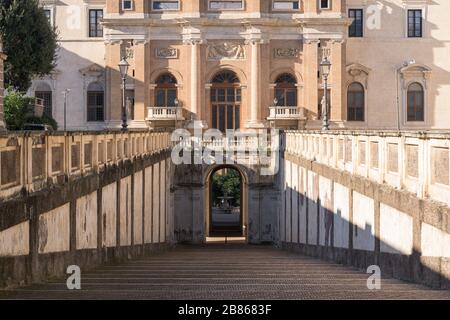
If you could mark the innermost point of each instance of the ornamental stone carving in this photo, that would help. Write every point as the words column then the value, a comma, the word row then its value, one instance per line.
column 358, row 73
column 166, row 53
column 226, row 51
column 286, row 53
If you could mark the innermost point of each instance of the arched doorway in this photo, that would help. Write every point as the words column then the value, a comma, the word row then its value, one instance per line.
column 226, row 101
column 226, row 203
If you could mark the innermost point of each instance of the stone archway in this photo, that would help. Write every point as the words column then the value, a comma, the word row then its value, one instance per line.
column 226, row 214
column 259, row 207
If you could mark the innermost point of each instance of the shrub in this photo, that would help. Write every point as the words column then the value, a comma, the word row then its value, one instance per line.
column 19, row 111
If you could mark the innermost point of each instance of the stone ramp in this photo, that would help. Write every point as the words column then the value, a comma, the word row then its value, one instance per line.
column 232, row 271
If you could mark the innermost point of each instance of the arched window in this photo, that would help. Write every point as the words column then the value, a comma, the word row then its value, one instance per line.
column 286, row 91
column 95, row 102
column 415, row 102
column 44, row 92
column 226, row 101
column 355, row 102
column 226, row 77
column 166, row 90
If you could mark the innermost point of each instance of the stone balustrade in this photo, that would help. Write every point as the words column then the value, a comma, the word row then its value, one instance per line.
column 370, row 198
column 165, row 113
column 242, row 148
column 29, row 161
column 286, row 112
column 412, row 161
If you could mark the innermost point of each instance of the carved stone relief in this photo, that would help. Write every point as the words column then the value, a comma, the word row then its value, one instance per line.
column 286, row 53
column 226, row 50
column 166, row 53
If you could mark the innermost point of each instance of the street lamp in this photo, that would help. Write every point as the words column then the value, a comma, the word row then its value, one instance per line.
column 123, row 67
column 65, row 93
column 325, row 67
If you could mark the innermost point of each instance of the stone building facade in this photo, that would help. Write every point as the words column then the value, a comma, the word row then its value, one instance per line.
column 251, row 63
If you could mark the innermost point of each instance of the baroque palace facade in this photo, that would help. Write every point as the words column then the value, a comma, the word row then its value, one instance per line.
column 250, row 63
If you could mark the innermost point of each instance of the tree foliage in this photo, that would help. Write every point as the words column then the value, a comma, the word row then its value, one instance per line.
column 29, row 41
column 18, row 110
column 227, row 181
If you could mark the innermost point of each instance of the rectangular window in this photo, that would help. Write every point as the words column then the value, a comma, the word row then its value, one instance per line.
column 214, row 116
column 230, row 112
column 95, row 28
column 127, row 5
column 286, row 5
column 46, row 96
column 237, row 117
column 226, row 5
column 95, row 106
column 160, row 98
column 222, row 118
column 48, row 14
column 166, row 5
column 356, row 28
column 415, row 23
column 324, row 4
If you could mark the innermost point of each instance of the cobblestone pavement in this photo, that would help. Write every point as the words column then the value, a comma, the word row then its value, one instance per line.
column 226, row 272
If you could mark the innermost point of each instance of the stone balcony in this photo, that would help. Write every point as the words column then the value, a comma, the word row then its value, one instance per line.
column 164, row 116
column 287, row 117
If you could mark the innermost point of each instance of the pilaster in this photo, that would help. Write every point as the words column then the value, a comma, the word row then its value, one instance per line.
column 311, row 69
column 337, row 77
column 113, row 81
column 255, row 40
column 141, row 93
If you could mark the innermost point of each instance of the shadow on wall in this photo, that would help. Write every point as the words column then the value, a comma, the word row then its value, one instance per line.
column 81, row 75
column 311, row 228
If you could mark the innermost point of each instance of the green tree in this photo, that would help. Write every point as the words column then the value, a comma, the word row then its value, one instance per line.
column 227, row 181
column 19, row 111
column 29, row 41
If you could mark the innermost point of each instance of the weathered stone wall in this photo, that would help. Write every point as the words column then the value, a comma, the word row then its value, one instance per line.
column 102, row 215
column 334, row 211
column 259, row 206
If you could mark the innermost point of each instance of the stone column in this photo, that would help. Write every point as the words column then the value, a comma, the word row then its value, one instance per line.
column 254, row 82
column 255, row 74
column 194, row 76
column 2, row 58
column 196, row 114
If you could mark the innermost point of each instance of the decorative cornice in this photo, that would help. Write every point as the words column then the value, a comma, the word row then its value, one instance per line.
column 118, row 38
column 191, row 35
column 192, row 41
column 311, row 41
column 94, row 70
